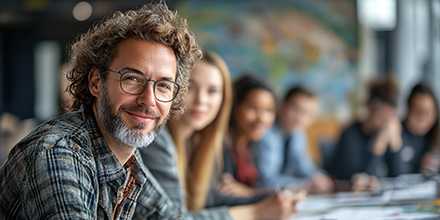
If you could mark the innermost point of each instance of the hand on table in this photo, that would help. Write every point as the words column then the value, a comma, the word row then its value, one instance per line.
column 364, row 182
column 321, row 183
column 229, row 186
column 429, row 163
column 277, row 206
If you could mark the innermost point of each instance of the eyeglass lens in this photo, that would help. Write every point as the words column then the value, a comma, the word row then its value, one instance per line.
column 133, row 83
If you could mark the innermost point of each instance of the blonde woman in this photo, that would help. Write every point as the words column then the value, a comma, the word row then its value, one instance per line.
column 184, row 156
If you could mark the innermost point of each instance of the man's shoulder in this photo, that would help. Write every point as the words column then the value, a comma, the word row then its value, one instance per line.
column 272, row 136
column 354, row 128
column 58, row 144
column 68, row 132
column 163, row 139
column 353, row 133
column 68, row 122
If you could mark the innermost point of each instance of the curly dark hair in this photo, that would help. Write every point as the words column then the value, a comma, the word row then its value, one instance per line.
column 97, row 48
column 383, row 91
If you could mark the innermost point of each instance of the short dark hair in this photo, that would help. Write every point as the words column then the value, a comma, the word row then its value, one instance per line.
column 242, row 87
column 97, row 48
column 247, row 83
column 299, row 90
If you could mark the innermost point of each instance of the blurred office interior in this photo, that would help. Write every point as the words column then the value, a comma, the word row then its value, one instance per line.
column 332, row 46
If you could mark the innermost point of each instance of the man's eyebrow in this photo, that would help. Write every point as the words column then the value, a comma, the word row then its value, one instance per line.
column 140, row 72
column 132, row 70
column 167, row 78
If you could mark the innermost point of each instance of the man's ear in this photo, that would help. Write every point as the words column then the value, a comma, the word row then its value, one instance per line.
column 94, row 82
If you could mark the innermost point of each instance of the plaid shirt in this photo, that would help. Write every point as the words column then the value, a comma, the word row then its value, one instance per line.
column 65, row 170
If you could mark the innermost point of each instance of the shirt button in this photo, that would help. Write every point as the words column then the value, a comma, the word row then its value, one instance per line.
column 120, row 195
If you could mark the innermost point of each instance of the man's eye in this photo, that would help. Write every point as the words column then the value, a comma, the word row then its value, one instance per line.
column 131, row 78
column 163, row 86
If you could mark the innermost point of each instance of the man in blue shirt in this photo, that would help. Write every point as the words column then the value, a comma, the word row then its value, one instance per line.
column 283, row 157
column 125, row 77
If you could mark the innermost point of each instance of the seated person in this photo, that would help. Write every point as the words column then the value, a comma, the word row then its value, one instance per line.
column 360, row 149
column 12, row 130
column 184, row 156
column 86, row 164
column 253, row 113
column 419, row 135
column 283, row 152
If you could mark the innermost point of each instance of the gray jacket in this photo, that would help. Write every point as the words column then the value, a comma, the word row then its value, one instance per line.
column 160, row 157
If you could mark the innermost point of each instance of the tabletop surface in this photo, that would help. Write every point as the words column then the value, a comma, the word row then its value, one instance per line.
column 405, row 197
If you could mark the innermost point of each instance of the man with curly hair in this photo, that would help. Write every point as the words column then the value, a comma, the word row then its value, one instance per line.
column 127, row 74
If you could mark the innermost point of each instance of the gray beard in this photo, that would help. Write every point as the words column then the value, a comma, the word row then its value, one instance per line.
column 113, row 124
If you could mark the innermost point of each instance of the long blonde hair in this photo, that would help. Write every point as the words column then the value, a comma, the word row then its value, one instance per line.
column 196, row 168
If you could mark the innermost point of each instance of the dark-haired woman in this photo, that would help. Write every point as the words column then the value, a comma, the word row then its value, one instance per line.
column 253, row 113
column 419, row 133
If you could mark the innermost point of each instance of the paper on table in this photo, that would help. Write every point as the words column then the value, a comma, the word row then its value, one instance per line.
column 418, row 191
column 362, row 213
column 412, row 216
column 316, row 205
column 358, row 198
column 368, row 213
column 402, row 216
column 358, row 213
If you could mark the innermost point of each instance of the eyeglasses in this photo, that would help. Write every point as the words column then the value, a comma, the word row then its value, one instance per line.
column 135, row 83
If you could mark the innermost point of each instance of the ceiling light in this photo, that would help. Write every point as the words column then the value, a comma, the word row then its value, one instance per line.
column 82, row 11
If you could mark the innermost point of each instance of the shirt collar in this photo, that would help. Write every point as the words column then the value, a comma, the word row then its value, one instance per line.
column 108, row 166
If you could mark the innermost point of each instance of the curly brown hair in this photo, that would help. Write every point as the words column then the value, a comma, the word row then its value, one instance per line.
column 97, row 48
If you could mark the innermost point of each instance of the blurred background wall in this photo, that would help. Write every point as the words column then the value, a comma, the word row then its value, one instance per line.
column 333, row 46
column 314, row 43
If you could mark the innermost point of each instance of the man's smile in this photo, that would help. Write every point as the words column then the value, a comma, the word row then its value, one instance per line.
column 141, row 117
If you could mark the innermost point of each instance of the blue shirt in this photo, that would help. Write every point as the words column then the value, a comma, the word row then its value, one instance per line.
column 277, row 169
column 64, row 169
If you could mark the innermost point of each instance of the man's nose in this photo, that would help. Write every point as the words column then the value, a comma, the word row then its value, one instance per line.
column 147, row 98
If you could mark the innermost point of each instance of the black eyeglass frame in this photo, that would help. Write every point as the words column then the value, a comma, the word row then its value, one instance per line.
column 145, row 86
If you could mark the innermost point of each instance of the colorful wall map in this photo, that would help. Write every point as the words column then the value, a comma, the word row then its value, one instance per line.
column 308, row 42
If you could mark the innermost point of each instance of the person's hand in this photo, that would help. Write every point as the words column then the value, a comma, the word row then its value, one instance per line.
column 373, row 183
column 321, row 184
column 229, row 186
column 429, row 163
column 364, row 182
column 281, row 205
column 388, row 135
column 278, row 206
column 394, row 128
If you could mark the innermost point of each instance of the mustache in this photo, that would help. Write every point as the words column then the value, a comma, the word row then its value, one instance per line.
column 140, row 109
